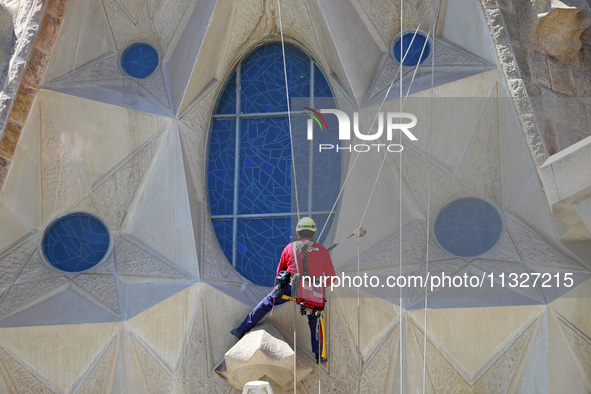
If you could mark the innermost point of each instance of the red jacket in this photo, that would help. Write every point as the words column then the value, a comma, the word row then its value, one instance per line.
column 318, row 261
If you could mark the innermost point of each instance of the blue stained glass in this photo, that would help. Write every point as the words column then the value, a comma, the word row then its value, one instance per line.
column 139, row 60
column 76, row 242
column 259, row 246
column 220, row 180
column 223, row 232
column 468, row 227
column 414, row 48
column 265, row 166
column 227, row 101
column 327, row 167
column 263, row 82
column 321, row 85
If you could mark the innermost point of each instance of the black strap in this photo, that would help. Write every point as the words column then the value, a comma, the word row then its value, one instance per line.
column 303, row 248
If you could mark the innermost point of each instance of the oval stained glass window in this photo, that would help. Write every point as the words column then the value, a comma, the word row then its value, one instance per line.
column 416, row 48
column 76, row 242
column 139, row 60
column 468, row 227
column 250, row 164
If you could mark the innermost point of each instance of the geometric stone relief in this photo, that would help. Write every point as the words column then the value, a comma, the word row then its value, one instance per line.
column 133, row 260
column 442, row 375
column 536, row 252
column 113, row 196
column 61, row 181
column 580, row 346
column 36, row 269
column 161, row 217
column 497, row 268
column 103, row 287
column 21, row 378
column 373, row 378
column 157, row 378
column 30, row 293
column 99, row 378
column 450, row 64
column 13, row 260
column 132, row 8
column 62, row 353
column 471, row 339
column 480, row 166
column 377, row 320
column 504, row 250
column 163, row 328
column 215, row 266
column 501, row 374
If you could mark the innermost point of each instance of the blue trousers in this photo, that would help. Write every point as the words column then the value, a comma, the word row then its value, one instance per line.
column 265, row 306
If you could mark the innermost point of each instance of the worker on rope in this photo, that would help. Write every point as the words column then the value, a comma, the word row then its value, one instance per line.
column 312, row 260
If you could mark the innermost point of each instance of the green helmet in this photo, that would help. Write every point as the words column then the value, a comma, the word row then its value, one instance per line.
column 306, row 223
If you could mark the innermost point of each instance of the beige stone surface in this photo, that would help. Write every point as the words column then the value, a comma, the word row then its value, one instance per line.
column 572, row 304
column 559, row 32
column 473, row 336
column 55, row 351
column 164, row 200
column 114, row 131
column 82, row 34
column 164, row 326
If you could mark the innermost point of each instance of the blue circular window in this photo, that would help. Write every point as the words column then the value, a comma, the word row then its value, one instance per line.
column 139, row 60
column 76, row 242
column 468, row 227
column 412, row 48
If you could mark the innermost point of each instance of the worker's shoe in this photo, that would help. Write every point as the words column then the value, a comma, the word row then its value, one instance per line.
column 237, row 332
column 320, row 359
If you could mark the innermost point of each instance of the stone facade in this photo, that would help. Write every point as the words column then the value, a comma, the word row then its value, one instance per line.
column 155, row 317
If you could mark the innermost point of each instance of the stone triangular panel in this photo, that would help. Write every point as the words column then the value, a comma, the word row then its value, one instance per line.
column 169, row 33
column 581, row 348
column 535, row 375
column 101, row 373
column 76, row 346
column 132, row 8
column 378, row 318
column 61, row 180
column 126, row 30
column 94, row 129
column 157, row 377
column 500, row 376
column 103, row 68
column 81, row 39
column 154, row 5
column 134, row 261
column 471, row 337
column 13, row 260
column 215, row 266
column 480, row 166
column 447, row 54
column 497, row 268
column 31, row 292
column 103, row 287
column 574, row 305
column 163, row 328
column 378, row 372
column 24, row 377
column 415, row 170
column 36, row 269
column 165, row 200
column 535, row 251
column 564, row 368
column 439, row 268
column 504, row 250
column 113, row 196
column 441, row 373
column 13, row 227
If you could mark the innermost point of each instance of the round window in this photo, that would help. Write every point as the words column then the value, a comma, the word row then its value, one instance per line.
column 139, row 60
column 468, row 227
column 76, row 242
column 412, row 48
